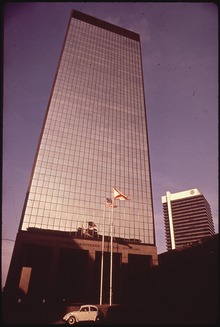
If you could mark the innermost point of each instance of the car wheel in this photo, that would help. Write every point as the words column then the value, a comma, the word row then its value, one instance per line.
column 71, row 320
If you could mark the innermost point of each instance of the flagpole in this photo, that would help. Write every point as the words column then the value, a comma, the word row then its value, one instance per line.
column 139, row 228
column 115, row 195
column 111, row 254
column 124, row 223
column 102, row 258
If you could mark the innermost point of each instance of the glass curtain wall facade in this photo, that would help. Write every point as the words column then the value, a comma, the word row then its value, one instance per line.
column 94, row 137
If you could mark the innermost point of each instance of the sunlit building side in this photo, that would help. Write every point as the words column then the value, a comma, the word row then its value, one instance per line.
column 94, row 138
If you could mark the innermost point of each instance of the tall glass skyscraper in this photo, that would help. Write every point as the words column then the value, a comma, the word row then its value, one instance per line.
column 94, row 137
column 73, row 245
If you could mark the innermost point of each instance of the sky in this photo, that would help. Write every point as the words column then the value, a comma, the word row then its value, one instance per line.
column 179, row 44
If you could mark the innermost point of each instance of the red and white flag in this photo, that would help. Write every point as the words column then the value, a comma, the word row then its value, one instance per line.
column 119, row 195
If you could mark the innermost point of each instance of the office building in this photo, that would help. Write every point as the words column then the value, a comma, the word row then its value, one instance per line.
column 187, row 218
column 94, row 138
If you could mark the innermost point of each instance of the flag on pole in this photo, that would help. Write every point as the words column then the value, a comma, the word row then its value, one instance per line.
column 109, row 203
column 119, row 195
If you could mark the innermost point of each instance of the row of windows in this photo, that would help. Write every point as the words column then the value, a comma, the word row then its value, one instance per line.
column 127, row 166
column 60, row 192
column 81, row 153
column 77, row 85
column 106, row 67
column 92, row 181
column 119, row 226
column 114, row 57
column 128, row 94
column 57, row 148
column 73, row 226
column 86, row 97
column 61, row 104
column 80, row 93
column 105, row 114
column 85, row 162
column 101, row 48
column 84, row 166
column 69, row 129
column 122, row 229
column 90, row 102
column 112, row 125
column 135, row 180
column 96, row 116
column 138, row 222
column 111, row 40
column 104, row 148
column 101, row 137
column 76, row 144
column 57, row 211
column 106, row 78
column 83, row 30
column 96, row 35
column 98, row 156
column 83, row 204
column 67, row 226
column 64, row 97
column 102, row 170
column 84, row 200
column 47, row 209
column 104, row 83
column 100, row 61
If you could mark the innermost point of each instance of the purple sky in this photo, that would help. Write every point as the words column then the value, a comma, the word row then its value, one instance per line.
column 180, row 63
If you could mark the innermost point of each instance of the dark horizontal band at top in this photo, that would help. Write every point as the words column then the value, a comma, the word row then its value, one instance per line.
column 105, row 25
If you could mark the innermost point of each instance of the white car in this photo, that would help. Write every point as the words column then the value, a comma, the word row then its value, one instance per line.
column 86, row 312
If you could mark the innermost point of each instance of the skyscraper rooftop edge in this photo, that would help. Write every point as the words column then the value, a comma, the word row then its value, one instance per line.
column 105, row 25
column 181, row 195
